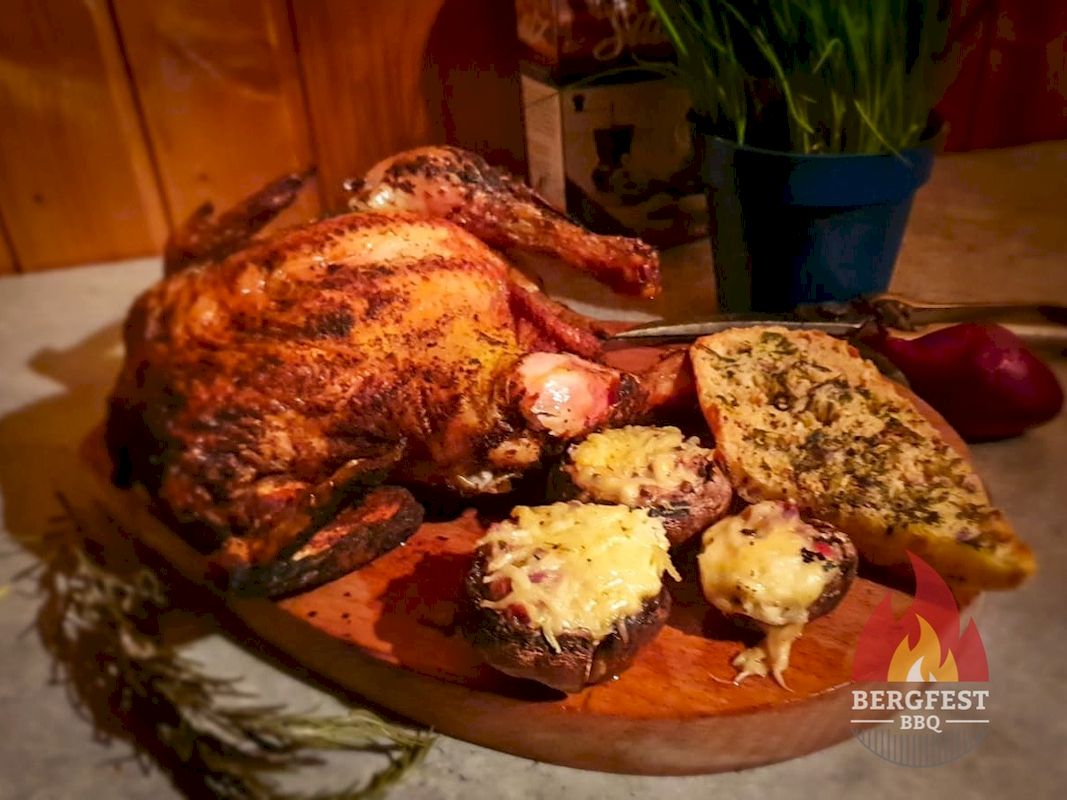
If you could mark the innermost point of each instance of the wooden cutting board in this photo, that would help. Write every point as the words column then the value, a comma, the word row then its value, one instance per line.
column 389, row 633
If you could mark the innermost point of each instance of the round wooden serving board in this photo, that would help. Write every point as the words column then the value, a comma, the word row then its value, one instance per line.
column 388, row 632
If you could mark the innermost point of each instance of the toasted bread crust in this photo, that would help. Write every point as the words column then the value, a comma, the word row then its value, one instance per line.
column 799, row 415
column 523, row 652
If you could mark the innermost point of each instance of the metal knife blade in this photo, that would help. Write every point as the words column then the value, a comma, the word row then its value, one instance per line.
column 688, row 331
column 1040, row 325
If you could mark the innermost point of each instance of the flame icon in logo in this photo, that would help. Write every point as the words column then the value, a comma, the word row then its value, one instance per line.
column 921, row 663
column 925, row 643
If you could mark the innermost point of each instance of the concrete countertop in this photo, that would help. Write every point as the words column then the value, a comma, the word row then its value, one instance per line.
column 990, row 225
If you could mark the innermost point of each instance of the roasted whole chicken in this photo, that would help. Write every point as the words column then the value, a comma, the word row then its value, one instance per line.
column 271, row 384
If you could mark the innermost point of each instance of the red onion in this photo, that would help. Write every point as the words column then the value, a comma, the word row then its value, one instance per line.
column 982, row 378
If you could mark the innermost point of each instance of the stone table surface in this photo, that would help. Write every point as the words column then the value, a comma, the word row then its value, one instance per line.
column 989, row 225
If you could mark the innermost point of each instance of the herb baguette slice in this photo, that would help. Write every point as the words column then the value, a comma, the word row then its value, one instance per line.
column 798, row 415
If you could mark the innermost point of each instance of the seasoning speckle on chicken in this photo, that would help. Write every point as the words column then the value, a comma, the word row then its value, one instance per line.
column 264, row 393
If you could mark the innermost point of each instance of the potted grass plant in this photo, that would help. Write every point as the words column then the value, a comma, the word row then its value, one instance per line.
column 813, row 120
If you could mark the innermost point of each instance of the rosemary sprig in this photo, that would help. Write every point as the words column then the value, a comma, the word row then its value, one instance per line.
column 100, row 624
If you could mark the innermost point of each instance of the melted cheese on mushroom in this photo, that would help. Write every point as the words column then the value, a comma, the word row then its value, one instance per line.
column 620, row 465
column 575, row 567
column 755, row 564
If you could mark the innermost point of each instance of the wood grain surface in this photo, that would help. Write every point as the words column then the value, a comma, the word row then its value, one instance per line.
column 219, row 88
column 392, row 632
column 77, row 181
column 121, row 116
column 363, row 69
column 7, row 257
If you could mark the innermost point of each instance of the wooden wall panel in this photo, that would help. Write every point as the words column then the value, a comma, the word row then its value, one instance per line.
column 76, row 180
column 219, row 88
column 363, row 72
column 7, row 258
column 122, row 116
column 472, row 81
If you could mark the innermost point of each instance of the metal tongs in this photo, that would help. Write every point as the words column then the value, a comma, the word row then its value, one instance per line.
column 1037, row 323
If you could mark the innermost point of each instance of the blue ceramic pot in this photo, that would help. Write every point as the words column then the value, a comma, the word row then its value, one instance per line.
column 788, row 229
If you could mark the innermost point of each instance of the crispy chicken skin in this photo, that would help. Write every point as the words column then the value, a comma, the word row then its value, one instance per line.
column 266, row 392
column 366, row 336
column 502, row 211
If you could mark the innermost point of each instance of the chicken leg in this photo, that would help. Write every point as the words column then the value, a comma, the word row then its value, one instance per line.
column 453, row 184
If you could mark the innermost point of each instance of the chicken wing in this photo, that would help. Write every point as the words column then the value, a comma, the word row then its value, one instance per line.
column 453, row 184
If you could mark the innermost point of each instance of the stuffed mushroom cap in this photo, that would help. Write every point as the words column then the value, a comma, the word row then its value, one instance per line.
column 769, row 568
column 657, row 468
column 566, row 593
